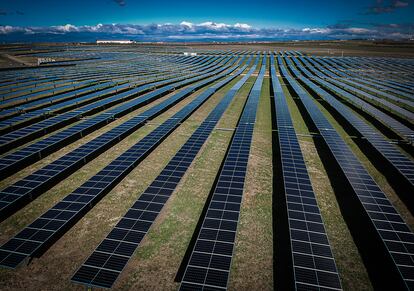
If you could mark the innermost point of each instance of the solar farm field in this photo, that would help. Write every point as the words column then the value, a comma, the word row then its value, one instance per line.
column 147, row 168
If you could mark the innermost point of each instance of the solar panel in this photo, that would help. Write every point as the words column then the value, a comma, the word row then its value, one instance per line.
column 132, row 228
column 313, row 263
column 54, row 222
column 210, row 261
column 392, row 234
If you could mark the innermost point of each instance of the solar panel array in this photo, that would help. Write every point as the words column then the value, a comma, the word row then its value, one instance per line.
column 387, row 120
column 379, row 96
column 16, row 195
column 363, row 83
column 42, row 90
column 20, row 158
column 123, row 66
column 390, row 151
column 132, row 228
column 27, row 113
column 210, row 261
column 392, row 233
column 50, row 225
column 12, row 119
column 21, row 136
column 123, row 84
column 373, row 98
column 376, row 73
column 313, row 263
column 368, row 75
column 19, row 193
column 56, row 88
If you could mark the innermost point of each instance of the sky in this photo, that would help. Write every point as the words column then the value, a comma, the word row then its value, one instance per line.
column 219, row 20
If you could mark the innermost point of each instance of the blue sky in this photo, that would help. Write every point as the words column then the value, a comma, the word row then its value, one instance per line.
column 214, row 19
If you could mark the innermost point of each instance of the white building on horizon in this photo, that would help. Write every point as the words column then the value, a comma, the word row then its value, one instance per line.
column 101, row 41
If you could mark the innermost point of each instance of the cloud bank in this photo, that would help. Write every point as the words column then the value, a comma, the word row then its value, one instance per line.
column 187, row 31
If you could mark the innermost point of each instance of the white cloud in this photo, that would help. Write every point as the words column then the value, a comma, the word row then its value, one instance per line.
column 96, row 27
column 213, row 25
column 242, row 26
column 66, row 28
column 5, row 29
column 185, row 23
column 316, row 30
